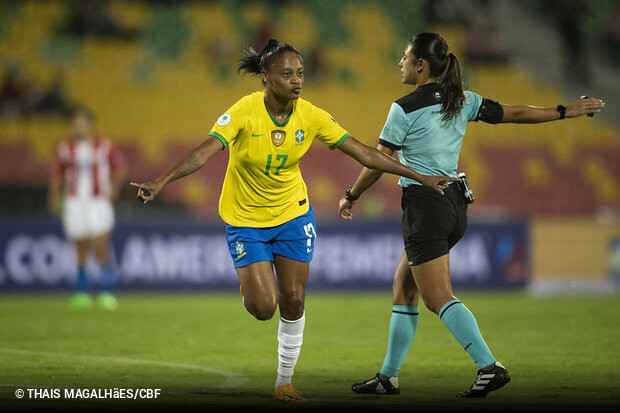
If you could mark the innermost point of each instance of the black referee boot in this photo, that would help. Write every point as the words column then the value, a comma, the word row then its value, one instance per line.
column 487, row 381
column 379, row 384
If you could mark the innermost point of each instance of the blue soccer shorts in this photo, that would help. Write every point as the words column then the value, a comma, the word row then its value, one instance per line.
column 293, row 239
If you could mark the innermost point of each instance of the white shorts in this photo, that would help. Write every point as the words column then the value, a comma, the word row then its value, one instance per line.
column 87, row 218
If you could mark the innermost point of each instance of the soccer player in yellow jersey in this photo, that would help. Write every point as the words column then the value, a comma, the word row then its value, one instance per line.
column 264, row 200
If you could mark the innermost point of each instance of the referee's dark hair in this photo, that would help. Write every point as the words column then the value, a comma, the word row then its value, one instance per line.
column 254, row 63
column 445, row 67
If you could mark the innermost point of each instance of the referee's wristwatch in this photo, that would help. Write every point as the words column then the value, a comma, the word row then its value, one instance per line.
column 561, row 110
column 348, row 196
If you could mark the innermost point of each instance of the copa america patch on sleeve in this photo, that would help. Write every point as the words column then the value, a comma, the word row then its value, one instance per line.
column 224, row 119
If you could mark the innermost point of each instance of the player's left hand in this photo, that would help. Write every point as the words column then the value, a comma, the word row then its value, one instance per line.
column 344, row 208
column 583, row 106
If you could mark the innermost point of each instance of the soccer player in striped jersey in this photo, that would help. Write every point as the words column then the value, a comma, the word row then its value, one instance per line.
column 89, row 171
column 264, row 200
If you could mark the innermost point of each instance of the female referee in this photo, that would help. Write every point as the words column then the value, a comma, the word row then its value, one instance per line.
column 264, row 200
column 427, row 128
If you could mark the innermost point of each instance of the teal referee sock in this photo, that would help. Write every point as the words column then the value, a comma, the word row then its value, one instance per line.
column 402, row 330
column 462, row 324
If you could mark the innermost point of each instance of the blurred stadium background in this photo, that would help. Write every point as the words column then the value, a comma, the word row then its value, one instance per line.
column 159, row 73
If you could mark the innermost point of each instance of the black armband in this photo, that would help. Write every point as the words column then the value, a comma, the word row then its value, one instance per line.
column 390, row 145
column 490, row 112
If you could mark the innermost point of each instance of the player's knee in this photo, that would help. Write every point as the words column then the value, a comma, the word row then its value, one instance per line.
column 402, row 295
column 81, row 260
column 292, row 304
column 433, row 303
column 296, row 301
column 102, row 255
column 263, row 315
column 263, row 310
column 432, row 306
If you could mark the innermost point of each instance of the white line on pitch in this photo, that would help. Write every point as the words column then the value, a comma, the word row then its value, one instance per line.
column 232, row 379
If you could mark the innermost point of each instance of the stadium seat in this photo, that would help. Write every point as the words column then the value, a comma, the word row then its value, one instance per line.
column 158, row 98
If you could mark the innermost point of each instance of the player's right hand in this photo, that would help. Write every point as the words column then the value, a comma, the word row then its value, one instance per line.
column 344, row 208
column 147, row 191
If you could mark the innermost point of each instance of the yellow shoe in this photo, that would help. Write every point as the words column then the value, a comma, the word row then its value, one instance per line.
column 286, row 393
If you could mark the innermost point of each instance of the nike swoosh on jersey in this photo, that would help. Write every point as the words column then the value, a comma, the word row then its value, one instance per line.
column 255, row 135
column 309, row 249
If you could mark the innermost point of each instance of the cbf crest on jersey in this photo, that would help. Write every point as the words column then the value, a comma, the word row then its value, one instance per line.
column 239, row 249
column 299, row 136
column 278, row 136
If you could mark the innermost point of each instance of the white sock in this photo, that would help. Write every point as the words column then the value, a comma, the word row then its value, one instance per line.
column 290, row 338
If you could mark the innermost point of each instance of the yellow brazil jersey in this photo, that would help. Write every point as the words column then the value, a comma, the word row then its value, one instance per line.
column 263, row 186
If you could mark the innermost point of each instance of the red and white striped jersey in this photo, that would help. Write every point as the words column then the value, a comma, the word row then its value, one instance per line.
column 87, row 166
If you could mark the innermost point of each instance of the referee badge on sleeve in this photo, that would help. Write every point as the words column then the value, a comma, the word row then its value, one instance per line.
column 278, row 136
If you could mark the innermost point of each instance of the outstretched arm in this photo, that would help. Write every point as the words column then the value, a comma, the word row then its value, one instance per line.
column 193, row 161
column 534, row 114
column 372, row 158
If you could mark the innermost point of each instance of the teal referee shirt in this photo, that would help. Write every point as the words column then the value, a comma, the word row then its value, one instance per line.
column 424, row 142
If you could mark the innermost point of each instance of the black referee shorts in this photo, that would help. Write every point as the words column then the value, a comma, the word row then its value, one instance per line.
column 432, row 223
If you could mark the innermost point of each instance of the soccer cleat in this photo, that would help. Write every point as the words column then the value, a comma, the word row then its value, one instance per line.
column 286, row 393
column 107, row 301
column 378, row 385
column 80, row 301
column 487, row 381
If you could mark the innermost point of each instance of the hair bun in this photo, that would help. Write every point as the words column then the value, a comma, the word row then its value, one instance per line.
column 271, row 44
column 254, row 63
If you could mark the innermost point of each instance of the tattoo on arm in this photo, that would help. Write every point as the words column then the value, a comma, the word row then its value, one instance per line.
column 188, row 166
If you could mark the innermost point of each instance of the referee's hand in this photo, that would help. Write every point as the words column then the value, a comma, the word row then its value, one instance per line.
column 584, row 106
column 437, row 182
column 344, row 208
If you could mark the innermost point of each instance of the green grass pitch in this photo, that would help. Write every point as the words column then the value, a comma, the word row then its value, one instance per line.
column 204, row 351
